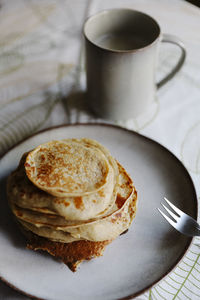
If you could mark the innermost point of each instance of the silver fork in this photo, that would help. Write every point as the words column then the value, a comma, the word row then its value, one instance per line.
column 181, row 221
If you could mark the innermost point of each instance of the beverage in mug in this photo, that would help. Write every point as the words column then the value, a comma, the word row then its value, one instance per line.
column 123, row 41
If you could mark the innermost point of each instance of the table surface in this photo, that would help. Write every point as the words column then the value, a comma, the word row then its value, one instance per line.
column 42, row 76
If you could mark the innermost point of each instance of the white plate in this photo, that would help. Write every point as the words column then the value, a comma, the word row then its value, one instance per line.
column 134, row 261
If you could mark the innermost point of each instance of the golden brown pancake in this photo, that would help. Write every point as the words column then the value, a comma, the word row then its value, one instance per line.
column 67, row 168
column 71, row 198
column 27, row 195
column 108, row 227
column 99, row 229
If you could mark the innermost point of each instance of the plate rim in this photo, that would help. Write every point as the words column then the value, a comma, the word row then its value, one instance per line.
column 101, row 124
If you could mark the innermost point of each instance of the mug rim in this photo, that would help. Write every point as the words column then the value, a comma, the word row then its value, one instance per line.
column 93, row 16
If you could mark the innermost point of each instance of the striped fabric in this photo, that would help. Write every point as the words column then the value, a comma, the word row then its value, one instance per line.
column 42, row 83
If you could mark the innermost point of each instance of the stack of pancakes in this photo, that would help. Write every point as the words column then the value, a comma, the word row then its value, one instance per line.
column 71, row 198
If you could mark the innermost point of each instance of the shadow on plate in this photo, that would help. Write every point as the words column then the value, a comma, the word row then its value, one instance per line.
column 76, row 104
column 8, row 293
column 172, row 238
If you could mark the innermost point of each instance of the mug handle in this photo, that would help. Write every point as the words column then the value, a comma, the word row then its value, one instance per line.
column 168, row 38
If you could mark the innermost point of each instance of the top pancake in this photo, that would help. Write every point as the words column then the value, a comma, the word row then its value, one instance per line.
column 26, row 195
column 68, row 168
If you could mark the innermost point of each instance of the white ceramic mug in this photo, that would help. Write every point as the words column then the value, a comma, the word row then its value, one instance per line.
column 121, row 55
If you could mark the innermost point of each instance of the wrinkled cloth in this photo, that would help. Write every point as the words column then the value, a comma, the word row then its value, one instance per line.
column 42, row 84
